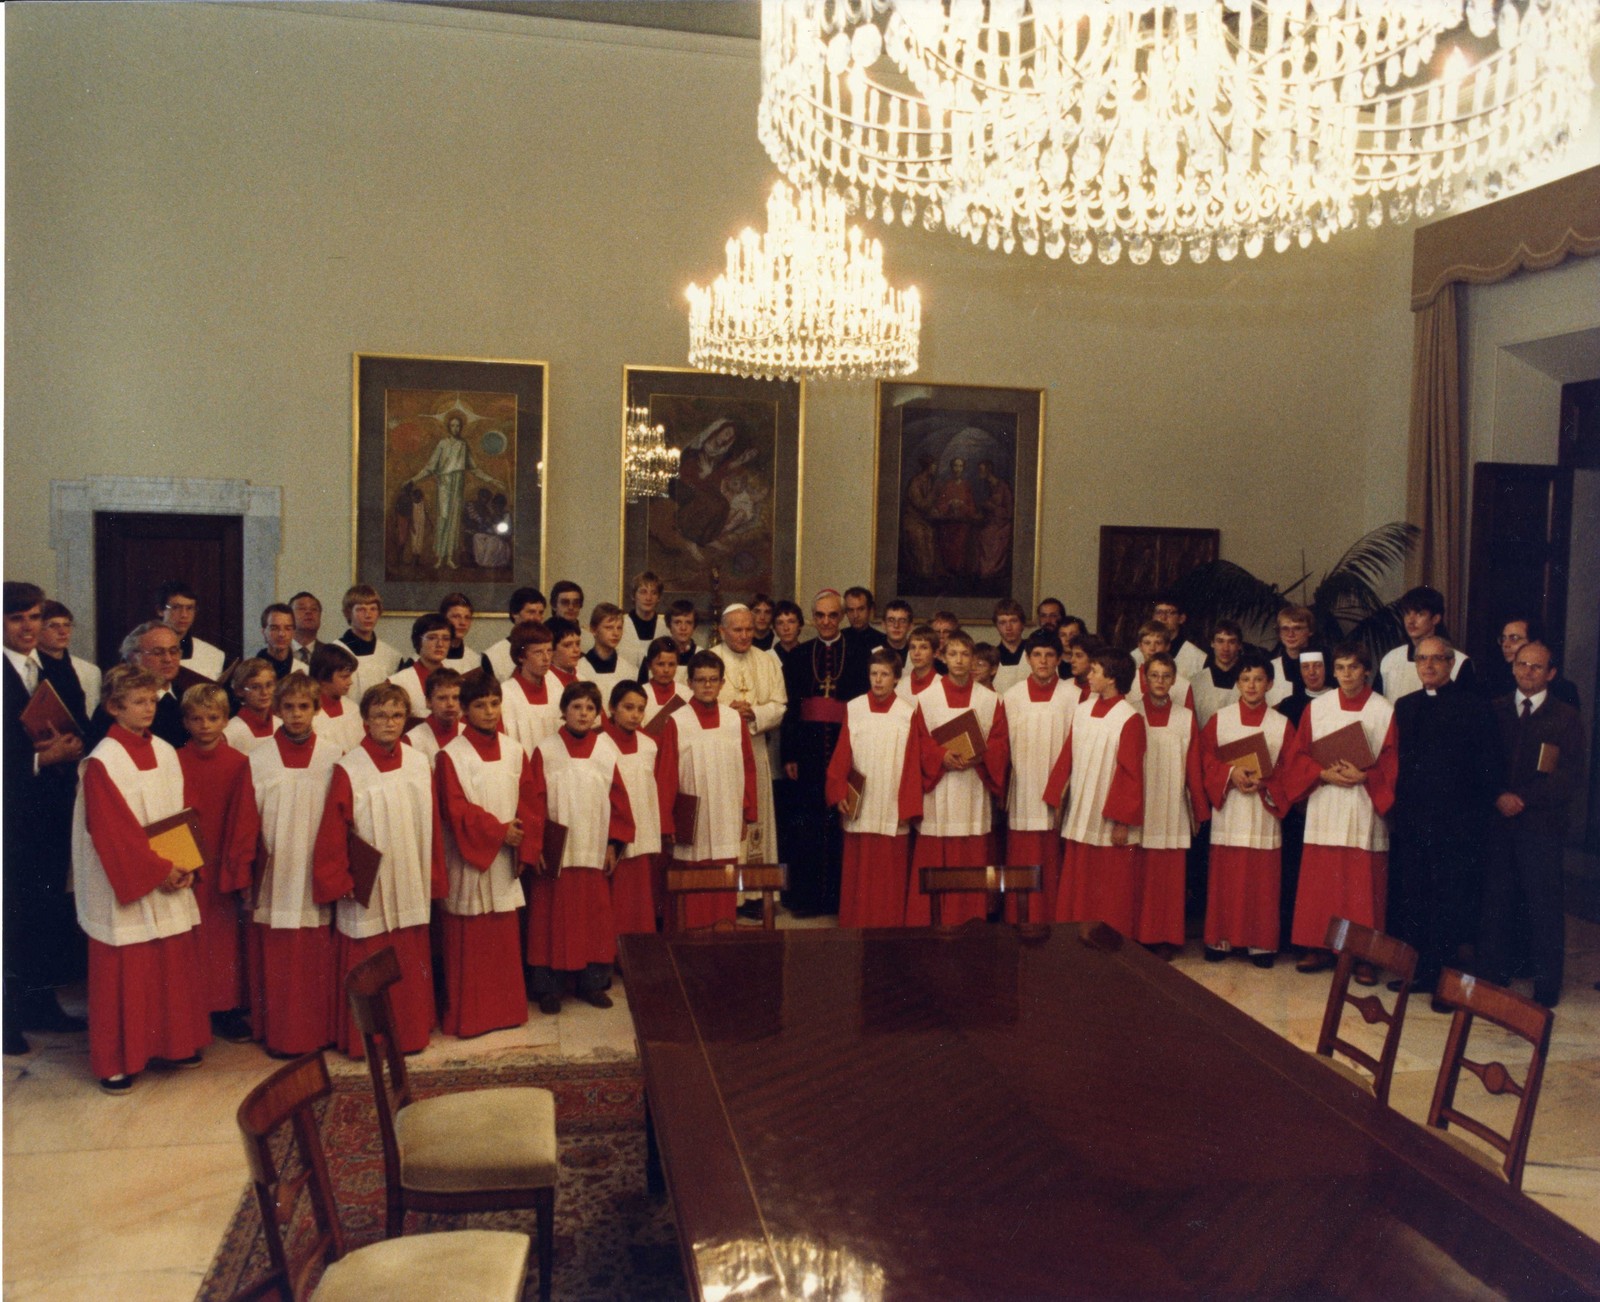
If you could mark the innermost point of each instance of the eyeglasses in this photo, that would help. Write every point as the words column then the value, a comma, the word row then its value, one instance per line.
column 180, row 607
column 1506, row 638
column 164, row 653
column 1442, row 660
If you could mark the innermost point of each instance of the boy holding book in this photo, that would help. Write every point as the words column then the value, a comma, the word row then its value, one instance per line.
column 662, row 683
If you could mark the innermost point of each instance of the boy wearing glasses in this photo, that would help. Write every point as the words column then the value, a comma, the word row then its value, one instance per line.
column 176, row 607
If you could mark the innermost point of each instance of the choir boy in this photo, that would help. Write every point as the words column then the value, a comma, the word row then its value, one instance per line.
column 681, row 619
column 1422, row 609
column 788, row 621
column 375, row 658
column 442, row 725
column 985, row 663
column 602, row 664
column 176, row 607
column 486, row 795
column 1039, row 713
column 1189, row 658
column 525, row 606
column 1155, row 640
column 566, row 602
column 944, row 624
column 254, row 683
column 958, row 791
column 1081, row 651
column 1175, row 803
column 212, row 788
column 645, row 622
column 578, row 786
column 1217, row 683
column 277, row 631
column 333, row 670
column 923, row 647
column 650, row 775
column 762, row 611
column 307, row 624
column 1246, row 865
column 531, row 710
column 662, row 682
column 566, row 650
column 897, row 624
column 293, row 999
column 1344, row 865
column 383, row 793
column 1103, row 762
column 881, row 741
column 1297, row 631
column 717, row 766
column 1012, row 666
column 430, row 639
column 457, row 608
column 138, row 908
column 76, row 681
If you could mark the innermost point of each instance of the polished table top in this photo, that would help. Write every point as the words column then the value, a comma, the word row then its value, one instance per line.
column 973, row 1114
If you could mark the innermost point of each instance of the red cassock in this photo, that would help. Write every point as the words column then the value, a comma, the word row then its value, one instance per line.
column 1039, row 719
column 650, row 774
column 876, row 865
column 1103, row 764
column 212, row 789
column 1245, row 867
column 388, row 800
column 575, row 781
column 145, row 999
column 943, row 790
column 483, row 782
column 716, row 774
column 1175, row 791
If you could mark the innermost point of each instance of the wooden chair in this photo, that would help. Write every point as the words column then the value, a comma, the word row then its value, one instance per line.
column 1355, row 944
column 465, row 1263
column 768, row 878
column 470, row 1151
column 1001, row 879
column 1471, row 997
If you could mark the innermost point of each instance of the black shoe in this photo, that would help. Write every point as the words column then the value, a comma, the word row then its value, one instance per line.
column 597, row 998
column 185, row 1064
column 14, row 1041
column 1549, row 998
column 550, row 1005
column 116, row 1085
column 751, row 910
column 47, row 1015
column 1216, row 955
column 1439, row 1006
column 232, row 1026
column 1263, row 960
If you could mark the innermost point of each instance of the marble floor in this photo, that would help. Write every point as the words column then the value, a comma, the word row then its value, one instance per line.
column 127, row 1198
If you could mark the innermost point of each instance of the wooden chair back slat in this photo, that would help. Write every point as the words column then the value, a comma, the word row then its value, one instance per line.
column 1002, row 879
column 367, row 988
column 1354, row 944
column 768, row 878
column 1472, row 997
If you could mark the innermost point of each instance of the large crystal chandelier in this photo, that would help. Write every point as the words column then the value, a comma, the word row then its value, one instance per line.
column 1098, row 127
column 649, row 464
column 807, row 298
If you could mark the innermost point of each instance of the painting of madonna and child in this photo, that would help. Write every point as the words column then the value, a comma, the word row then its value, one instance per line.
column 726, row 526
column 957, row 483
column 449, row 491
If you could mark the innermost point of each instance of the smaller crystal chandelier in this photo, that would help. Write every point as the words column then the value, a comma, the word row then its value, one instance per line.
column 808, row 298
column 649, row 465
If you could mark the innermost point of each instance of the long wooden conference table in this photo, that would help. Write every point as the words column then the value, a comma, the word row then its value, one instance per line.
column 972, row 1114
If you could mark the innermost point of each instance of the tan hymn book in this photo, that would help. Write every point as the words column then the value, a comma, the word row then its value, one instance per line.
column 1346, row 743
column 46, row 714
column 961, row 736
column 855, row 786
column 1549, row 756
column 178, row 839
column 365, row 860
column 685, row 809
column 1250, row 754
column 659, row 719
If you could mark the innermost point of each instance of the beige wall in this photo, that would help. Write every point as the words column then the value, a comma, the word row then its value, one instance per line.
column 211, row 207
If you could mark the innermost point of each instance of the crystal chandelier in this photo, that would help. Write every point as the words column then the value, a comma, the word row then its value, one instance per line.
column 1098, row 127
column 807, row 298
column 649, row 464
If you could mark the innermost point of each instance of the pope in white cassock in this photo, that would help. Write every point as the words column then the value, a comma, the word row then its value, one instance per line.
column 752, row 686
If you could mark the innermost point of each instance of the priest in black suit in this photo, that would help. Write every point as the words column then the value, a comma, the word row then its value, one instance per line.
column 1451, row 770
column 153, row 647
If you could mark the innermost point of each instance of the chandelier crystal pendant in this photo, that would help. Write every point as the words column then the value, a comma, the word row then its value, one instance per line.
column 1096, row 128
column 806, row 299
column 649, row 463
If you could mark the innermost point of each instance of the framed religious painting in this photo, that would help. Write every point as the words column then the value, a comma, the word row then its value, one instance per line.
column 727, row 525
column 956, row 500
column 448, row 462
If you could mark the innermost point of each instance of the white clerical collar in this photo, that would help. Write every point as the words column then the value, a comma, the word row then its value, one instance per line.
column 1431, row 691
column 834, row 642
column 1534, row 701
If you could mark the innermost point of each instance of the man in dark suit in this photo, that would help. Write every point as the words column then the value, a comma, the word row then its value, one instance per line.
column 154, row 647
column 1544, row 746
column 41, row 931
column 1451, row 770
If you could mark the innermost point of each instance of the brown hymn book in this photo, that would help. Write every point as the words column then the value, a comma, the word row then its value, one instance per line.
column 1346, row 743
column 961, row 736
column 1549, row 756
column 657, row 720
column 365, row 860
column 685, row 809
column 555, row 845
column 855, row 786
column 46, row 714
column 1249, row 753
column 178, row 839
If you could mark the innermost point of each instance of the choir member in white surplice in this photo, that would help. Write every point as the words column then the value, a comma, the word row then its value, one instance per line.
column 1175, row 803
column 1039, row 713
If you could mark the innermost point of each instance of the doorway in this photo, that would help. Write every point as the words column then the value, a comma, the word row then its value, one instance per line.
column 135, row 552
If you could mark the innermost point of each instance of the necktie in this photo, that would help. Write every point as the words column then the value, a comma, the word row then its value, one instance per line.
column 30, row 674
column 303, row 655
column 1527, row 707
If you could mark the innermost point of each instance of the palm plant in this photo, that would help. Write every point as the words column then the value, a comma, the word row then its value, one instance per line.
column 1345, row 600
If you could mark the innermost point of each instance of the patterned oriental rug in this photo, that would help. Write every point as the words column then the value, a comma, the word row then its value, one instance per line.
column 613, row 1240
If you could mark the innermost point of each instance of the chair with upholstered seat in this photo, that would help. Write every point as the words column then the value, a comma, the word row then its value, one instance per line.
column 994, row 879
column 1473, row 998
column 768, row 878
column 470, row 1151
column 464, row 1263
column 1355, row 944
